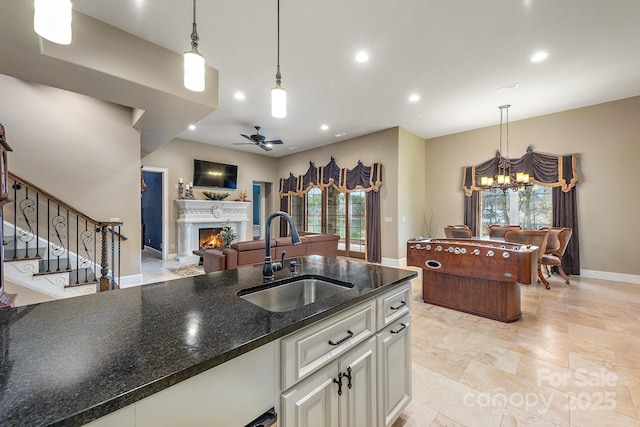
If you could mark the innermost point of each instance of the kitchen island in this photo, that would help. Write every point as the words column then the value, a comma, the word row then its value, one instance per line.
column 69, row 362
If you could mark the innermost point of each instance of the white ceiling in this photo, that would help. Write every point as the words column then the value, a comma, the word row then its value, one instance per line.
column 454, row 54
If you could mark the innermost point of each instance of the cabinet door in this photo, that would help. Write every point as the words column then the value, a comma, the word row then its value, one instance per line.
column 394, row 374
column 358, row 402
column 312, row 402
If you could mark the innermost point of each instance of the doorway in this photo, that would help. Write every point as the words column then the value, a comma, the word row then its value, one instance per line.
column 154, row 211
column 262, row 207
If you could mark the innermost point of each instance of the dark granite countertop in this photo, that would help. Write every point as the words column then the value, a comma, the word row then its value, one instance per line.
column 68, row 362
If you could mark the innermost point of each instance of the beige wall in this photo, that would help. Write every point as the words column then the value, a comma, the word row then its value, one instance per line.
column 411, row 189
column 79, row 149
column 606, row 138
column 379, row 147
column 178, row 156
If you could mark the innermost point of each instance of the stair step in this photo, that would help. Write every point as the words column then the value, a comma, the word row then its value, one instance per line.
column 10, row 254
column 84, row 276
column 54, row 266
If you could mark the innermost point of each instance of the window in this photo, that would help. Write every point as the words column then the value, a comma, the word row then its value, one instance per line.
column 314, row 211
column 529, row 207
column 335, row 212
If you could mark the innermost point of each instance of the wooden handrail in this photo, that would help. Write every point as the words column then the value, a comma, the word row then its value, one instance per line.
column 66, row 205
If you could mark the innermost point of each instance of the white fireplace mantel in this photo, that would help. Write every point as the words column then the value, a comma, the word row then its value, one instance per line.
column 196, row 214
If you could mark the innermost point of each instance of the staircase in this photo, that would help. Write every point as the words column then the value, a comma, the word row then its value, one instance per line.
column 53, row 248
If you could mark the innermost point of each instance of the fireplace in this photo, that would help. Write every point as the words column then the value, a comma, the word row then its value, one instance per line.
column 208, row 237
column 194, row 215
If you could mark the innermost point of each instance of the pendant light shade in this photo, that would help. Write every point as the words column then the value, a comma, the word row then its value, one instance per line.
column 278, row 94
column 52, row 20
column 278, row 102
column 194, row 71
column 194, row 64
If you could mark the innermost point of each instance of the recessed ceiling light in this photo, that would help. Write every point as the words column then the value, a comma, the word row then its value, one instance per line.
column 293, row 148
column 192, row 127
column 338, row 135
column 362, row 57
column 324, row 127
column 507, row 88
column 414, row 98
column 539, row 56
column 239, row 96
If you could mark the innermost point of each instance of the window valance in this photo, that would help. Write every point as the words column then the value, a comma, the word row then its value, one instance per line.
column 361, row 177
column 544, row 169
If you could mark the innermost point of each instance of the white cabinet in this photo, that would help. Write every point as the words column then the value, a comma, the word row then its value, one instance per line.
column 394, row 370
column 341, row 394
column 367, row 347
column 358, row 401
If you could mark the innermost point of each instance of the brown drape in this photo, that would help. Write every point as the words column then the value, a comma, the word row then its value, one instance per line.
column 309, row 180
column 471, row 209
column 565, row 214
column 284, row 225
column 373, row 231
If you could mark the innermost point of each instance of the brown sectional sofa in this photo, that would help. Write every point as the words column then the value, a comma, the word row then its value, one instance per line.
column 253, row 251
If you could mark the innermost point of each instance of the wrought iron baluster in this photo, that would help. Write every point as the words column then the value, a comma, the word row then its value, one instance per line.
column 38, row 226
column 68, row 246
column 77, row 249
column 48, row 235
column 119, row 251
column 15, row 215
column 113, row 257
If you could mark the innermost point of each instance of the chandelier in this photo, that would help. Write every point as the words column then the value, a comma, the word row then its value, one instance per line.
column 505, row 178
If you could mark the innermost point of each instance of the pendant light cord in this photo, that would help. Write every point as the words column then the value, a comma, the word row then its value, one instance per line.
column 194, row 32
column 278, row 76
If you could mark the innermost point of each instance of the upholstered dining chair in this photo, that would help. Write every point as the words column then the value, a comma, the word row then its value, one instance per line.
column 531, row 237
column 496, row 231
column 556, row 246
column 457, row 232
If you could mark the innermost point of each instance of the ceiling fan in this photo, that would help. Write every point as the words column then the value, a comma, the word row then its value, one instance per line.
column 259, row 140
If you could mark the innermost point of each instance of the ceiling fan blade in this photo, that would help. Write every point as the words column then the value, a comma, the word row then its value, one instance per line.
column 243, row 143
column 265, row 148
column 248, row 137
column 275, row 141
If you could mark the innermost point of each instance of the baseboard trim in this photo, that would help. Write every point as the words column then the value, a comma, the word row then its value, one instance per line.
column 608, row 275
column 130, row 281
column 394, row 262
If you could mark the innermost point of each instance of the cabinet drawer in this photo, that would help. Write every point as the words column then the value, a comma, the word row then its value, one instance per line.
column 393, row 305
column 305, row 351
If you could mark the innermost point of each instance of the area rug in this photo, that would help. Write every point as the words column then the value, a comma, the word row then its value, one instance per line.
column 186, row 270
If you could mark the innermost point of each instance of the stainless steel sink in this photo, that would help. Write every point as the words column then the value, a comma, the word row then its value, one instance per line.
column 292, row 294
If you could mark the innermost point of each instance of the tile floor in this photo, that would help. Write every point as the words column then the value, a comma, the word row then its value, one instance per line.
column 570, row 361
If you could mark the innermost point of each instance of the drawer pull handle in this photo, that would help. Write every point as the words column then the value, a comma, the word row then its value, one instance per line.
column 339, row 382
column 343, row 339
column 404, row 325
column 402, row 304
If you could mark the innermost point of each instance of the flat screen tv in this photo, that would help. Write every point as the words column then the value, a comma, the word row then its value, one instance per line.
column 211, row 174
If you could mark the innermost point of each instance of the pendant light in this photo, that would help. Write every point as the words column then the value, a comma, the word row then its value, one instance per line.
column 278, row 94
column 52, row 20
column 194, row 66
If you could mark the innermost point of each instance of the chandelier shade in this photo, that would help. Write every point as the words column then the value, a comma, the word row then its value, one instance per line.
column 194, row 63
column 52, row 20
